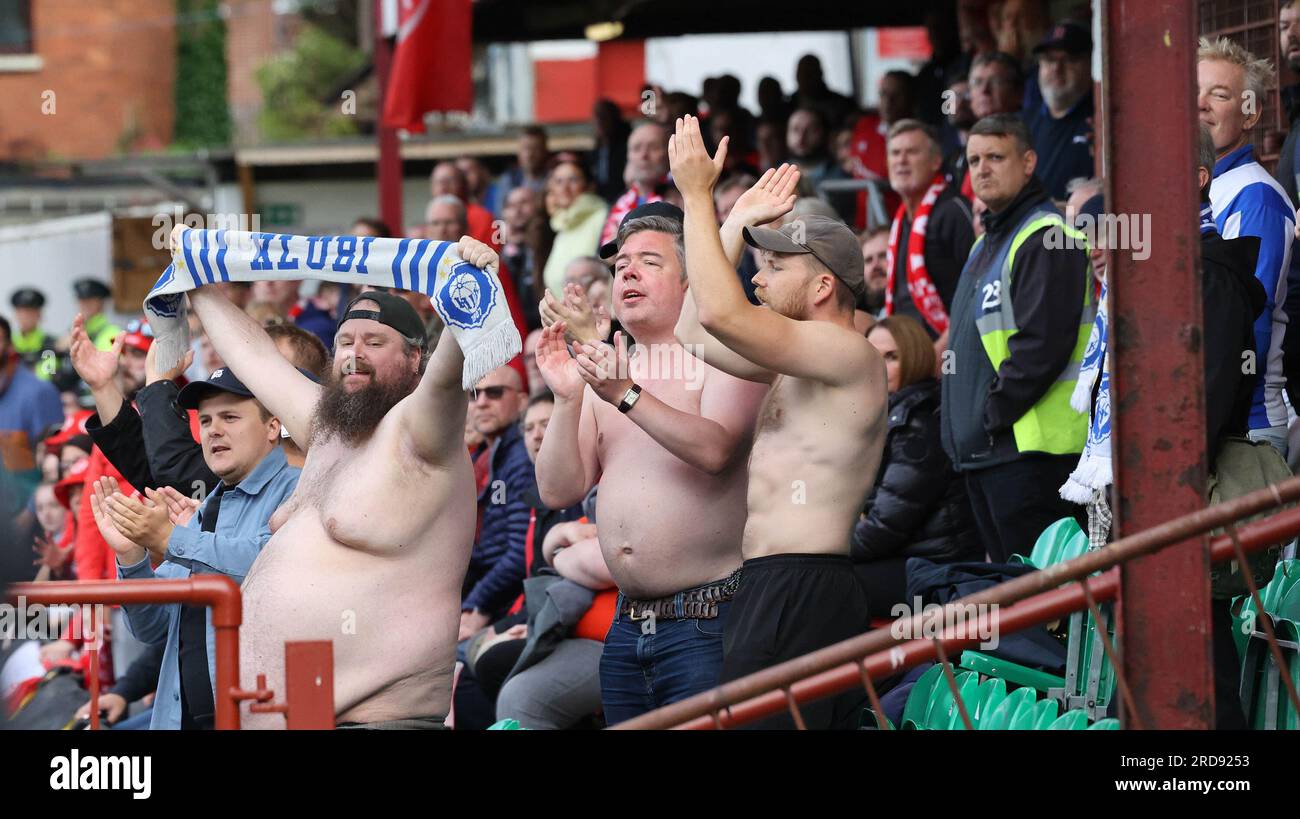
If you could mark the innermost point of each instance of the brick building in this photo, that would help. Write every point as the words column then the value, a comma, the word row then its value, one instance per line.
column 65, row 64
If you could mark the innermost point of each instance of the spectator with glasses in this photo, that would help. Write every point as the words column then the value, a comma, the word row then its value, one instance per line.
column 503, row 475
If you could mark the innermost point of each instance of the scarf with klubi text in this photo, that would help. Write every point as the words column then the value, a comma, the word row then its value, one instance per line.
column 919, row 285
column 468, row 300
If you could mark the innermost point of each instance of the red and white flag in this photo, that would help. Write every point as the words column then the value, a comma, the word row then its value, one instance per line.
column 431, row 62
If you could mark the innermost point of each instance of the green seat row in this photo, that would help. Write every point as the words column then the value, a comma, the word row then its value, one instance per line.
column 931, row 706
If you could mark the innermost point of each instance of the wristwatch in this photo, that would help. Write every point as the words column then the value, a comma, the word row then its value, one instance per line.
column 630, row 398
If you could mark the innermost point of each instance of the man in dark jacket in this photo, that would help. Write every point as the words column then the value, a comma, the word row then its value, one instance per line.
column 1020, row 322
column 918, row 507
column 1232, row 298
column 505, row 475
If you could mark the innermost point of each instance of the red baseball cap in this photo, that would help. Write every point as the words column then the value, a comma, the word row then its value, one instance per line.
column 76, row 477
column 73, row 426
column 139, row 335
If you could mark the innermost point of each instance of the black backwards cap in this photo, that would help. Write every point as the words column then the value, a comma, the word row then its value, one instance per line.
column 394, row 311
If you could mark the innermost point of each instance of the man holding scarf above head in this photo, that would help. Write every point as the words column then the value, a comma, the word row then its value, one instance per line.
column 931, row 234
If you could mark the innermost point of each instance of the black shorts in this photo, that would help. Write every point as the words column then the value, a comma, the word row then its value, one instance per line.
column 787, row 606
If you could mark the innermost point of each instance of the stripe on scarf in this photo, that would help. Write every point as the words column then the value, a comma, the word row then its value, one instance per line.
column 397, row 262
column 189, row 258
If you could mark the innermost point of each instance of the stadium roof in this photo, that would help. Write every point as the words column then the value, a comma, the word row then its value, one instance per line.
column 503, row 20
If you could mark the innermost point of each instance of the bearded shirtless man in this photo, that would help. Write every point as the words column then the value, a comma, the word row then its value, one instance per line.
column 371, row 549
column 821, row 429
column 666, row 437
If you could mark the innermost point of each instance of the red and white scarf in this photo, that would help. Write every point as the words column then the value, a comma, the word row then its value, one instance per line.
column 919, row 285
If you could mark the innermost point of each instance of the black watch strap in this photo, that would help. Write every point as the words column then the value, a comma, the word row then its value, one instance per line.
column 630, row 398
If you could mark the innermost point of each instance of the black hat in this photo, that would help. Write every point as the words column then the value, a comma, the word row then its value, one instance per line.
column 221, row 380
column 90, row 289
column 1069, row 36
column 27, row 297
column 648, row 209
column 394, row 311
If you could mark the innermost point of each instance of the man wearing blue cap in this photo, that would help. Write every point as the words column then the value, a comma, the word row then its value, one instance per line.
column 225, row 536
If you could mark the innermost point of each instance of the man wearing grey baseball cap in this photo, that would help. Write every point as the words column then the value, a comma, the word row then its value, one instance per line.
column 821, row 430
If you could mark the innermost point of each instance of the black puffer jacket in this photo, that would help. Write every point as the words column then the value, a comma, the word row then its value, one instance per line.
column 918, row 507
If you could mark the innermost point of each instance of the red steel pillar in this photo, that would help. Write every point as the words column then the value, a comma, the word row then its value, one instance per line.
column 1157, row 367
column 389, row 166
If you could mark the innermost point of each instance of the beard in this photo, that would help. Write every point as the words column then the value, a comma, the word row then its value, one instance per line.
column 353, row 416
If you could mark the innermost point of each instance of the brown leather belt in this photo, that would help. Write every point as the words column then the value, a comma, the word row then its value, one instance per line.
column 699, row 603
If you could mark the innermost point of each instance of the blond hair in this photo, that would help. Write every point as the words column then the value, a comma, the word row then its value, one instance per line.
column 1257, row 71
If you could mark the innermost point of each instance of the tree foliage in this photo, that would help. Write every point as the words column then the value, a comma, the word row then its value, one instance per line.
column 300, row 88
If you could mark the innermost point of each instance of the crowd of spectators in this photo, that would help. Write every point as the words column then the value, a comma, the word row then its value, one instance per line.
column 950, row 183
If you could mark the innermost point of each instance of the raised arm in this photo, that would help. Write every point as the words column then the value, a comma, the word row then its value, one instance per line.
column 767, row 201
column 692, row 335
column 815, row 350
column 98, row 368
column 246, row 348
column 434, row 415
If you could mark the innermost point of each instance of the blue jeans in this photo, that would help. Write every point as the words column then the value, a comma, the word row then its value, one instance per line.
column 644, row 667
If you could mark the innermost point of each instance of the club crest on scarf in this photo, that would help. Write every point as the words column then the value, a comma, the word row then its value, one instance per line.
column 467, row 298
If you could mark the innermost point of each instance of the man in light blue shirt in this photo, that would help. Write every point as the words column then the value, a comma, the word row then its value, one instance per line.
column 225, row 535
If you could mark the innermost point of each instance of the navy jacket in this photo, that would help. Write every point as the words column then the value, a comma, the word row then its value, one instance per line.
column 919, row 506
column 496, row 566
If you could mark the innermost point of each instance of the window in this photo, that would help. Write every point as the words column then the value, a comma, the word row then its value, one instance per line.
column 16, row 27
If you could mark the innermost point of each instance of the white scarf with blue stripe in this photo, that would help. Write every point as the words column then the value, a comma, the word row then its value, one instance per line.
column 468, row 300
column 1094, row 472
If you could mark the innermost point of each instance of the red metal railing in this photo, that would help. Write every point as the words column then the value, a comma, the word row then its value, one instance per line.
column 1038, row 597
column 215, row 591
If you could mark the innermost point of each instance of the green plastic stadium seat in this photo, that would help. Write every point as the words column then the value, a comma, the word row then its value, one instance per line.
column 990, row 666
column 1000, row 718
column 991, row 694
column 942, row 708
column 1076, row 720
column 1035, row 718
column 918, row 701
column 968, row 683
column 1051, row 544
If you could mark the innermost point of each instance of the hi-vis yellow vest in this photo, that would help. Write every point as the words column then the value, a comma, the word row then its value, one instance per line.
column 1050, row 425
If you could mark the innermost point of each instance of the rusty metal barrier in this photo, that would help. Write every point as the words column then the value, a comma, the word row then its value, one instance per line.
column 1038, row 597
column 309, row 674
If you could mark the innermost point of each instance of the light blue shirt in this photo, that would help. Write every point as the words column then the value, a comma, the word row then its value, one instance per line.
column 243, row 528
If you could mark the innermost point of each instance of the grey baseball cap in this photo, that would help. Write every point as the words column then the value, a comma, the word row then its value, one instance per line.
column 829, row 240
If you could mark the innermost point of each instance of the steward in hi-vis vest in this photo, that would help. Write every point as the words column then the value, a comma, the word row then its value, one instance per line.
column 1020, row 322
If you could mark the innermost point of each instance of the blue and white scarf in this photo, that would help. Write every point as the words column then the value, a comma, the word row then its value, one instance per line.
column 1094, row 472
column 469, row 301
